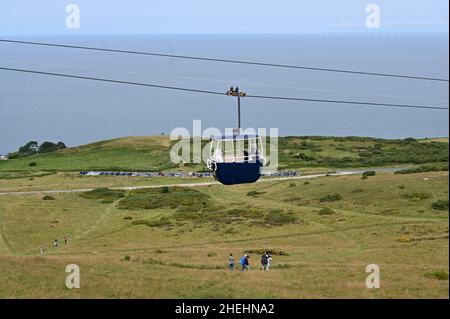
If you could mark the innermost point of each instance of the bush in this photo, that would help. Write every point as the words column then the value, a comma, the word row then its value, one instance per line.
column 105, row 194
column 160, row 223
column 366, row 174
column 127, row 217
column 417, row 196
column 127, row 258
column 165, row 190
column 331, row 198
column 404, row 239
column 306, row 183
column 47, row 197
column 273, row 252
column 278, row 217
column 439, row 275
column 441, row 204
column 255, row 193
column 326, row 211
column 154, row 223
column 140, row 222
column 174, row 198
column 32, row 164
column 424, row 169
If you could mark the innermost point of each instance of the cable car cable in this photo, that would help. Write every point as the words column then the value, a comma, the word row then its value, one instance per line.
column 217, row 92
column 287, row 66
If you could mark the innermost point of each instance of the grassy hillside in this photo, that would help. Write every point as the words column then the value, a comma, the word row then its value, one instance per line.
column 175, row 242
column 152, row 154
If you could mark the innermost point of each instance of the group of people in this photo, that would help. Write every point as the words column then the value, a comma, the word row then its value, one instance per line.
column 55, row 244
column 266, row 258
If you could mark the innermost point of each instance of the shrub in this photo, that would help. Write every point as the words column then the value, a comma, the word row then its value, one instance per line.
column 165, row 190
column 160, row 223
column 230, row 231
column 292, row 185
column 326, row 211
column 424, row 169
column 127, row 217
column 273, row 252
column 153, row 223
column 417, row 196
column 176, row 197
column 32, row 164
column 404, row 239
column 140, row 222
column 368, row 173
column 278, row 217
column 47, row 197
column 105, row 194
column 127, row 258
column 441, row 204
column 306, row 183
column 255, row 193
column 331, row 198
column 439, row 275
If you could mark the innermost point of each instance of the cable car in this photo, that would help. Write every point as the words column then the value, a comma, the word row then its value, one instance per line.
column 236, row 159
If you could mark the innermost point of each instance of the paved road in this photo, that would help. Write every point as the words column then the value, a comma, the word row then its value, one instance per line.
column 262, row 180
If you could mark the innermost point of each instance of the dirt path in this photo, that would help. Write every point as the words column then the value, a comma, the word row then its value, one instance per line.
column 262, row 180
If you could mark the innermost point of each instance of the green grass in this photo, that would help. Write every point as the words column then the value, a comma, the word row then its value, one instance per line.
column 173, row 198
column 182, row 252
column 152, row 154
column 174, row 242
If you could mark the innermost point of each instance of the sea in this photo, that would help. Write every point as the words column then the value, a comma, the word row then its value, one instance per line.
column 74, row 111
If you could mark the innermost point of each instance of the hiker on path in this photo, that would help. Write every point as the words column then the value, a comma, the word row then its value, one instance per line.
column 231, row 262
column 55, row 243
column 264, row 259
column 243, row 262
column 247, row 265
column 269, row 259
column 41, row 249
column 66, row 240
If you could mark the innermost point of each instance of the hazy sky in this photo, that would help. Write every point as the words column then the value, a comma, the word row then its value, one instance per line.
column 32, row 17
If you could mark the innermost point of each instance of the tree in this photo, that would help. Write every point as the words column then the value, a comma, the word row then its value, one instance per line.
column 29, row 149
column 61, row 145
column 48, row 147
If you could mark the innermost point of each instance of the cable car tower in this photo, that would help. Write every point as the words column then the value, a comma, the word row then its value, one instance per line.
column 235, row 92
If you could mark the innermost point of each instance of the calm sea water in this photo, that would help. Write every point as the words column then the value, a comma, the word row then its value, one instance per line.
column 42, row 108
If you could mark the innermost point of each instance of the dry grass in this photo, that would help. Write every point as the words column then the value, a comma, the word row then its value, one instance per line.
column 326, row 254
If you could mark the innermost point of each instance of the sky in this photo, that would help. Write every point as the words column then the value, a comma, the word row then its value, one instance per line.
column 48, row 17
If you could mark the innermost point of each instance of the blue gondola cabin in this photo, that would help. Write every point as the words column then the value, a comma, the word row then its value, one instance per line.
column 236, row 159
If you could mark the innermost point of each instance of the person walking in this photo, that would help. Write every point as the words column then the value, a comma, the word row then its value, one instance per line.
column 269, row 259
column 55, row 243
column 243, row 262
column 264, row 261
column 41, row 249
column 66, row 240
column 247, row 264
column 231, row 262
